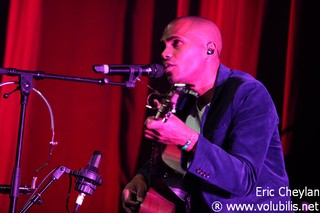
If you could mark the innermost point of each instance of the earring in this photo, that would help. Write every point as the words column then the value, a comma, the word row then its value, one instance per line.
column 210, row 51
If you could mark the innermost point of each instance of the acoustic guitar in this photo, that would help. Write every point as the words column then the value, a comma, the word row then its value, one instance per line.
column 166, row 194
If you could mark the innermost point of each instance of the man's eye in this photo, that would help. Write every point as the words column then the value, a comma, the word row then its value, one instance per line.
column 176, row 43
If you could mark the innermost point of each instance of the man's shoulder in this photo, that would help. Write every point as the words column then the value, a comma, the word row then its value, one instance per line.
column 234, row 75
column 238, row 80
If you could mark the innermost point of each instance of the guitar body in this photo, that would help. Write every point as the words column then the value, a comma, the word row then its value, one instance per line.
column 165, row 180
column 161, row 199
column 156, row 203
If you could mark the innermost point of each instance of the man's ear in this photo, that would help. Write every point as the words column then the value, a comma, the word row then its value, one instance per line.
column 211, row 48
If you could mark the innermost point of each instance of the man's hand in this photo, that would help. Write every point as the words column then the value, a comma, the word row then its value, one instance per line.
column 171, row 132
column 134, row 193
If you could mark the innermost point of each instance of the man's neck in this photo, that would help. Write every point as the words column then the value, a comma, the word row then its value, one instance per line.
column 204, row 99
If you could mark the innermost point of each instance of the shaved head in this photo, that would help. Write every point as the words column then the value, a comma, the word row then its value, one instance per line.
column 204, row 28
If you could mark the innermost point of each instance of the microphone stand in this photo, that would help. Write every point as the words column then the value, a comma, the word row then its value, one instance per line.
column 26, row 86
column 35, row 198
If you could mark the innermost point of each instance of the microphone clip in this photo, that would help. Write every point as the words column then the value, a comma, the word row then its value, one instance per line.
column 87, row 180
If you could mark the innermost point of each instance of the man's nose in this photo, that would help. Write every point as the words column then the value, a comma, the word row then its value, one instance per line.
column 166, row 53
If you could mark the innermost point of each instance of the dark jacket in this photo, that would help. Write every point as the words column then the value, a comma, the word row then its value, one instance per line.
column 249, row 169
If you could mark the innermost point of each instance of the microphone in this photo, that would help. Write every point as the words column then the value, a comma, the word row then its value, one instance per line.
column 87, row 179
column 151, row 70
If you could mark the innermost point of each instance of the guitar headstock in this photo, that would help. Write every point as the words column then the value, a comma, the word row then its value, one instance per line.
column 176, row 101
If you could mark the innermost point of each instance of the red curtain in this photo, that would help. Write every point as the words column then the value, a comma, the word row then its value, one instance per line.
column 66, row 38
column 290, row 89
